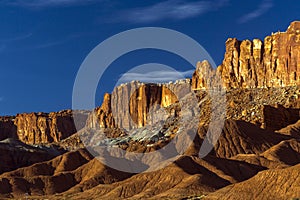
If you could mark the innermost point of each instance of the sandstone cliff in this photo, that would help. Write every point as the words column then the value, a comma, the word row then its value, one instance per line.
column 102, row 116
column 130, row 105
column 274, row 62
column 37, row 128
column 201, row 75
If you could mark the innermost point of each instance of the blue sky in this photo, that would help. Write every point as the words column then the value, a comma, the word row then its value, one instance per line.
column 43, row 43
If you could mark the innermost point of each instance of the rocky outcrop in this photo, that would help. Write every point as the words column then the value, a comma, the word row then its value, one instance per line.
column 36, row 128
column 130, row 105
column 201, row 75
column 274, row 62
column 102, row 116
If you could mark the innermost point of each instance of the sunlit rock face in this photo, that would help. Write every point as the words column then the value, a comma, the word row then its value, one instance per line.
column 130, row 105
column 274, row 62
column 37, row 128
column 202, row 75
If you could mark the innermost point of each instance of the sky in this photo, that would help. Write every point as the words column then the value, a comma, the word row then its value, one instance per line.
column 43, row 43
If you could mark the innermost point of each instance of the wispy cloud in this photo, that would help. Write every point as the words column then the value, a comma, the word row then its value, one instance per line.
column 16, row 38
column 60, row 41
column 171, row 9
column 1, row 98
column 49, row 44
column 155, row 76
column 47, row 3
column 6, row 42
column 262, row 8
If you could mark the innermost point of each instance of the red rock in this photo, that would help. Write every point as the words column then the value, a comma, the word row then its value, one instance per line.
column 129, row 104
column 36, row 128
column 272, row 63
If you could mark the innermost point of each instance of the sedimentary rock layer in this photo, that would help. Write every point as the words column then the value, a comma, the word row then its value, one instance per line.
column 274, row 62
column 130, row 105
column 37, row 128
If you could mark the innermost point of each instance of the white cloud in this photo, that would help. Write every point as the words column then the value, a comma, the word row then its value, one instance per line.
column 155, row 76
column 59, row 42
column 5, row 43
column 262, row 8
column 47, row 3
column 171, row 9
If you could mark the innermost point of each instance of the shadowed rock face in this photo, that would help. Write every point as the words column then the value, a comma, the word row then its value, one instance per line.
column 274, row 62
column 7, row 128
column 276, row 118
column 15, row 154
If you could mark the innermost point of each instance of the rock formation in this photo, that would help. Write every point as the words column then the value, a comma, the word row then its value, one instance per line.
column 247, row 64
column 130, row 105
column 37, row 128
column 7, row 128
column 274, row 62
column 102, row 116
column 202, row 75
